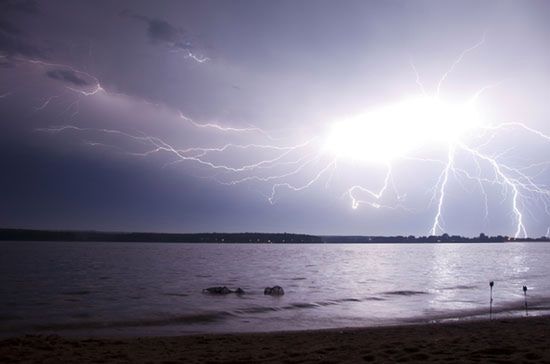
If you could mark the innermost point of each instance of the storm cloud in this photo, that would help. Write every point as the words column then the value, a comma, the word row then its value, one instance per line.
column 162, row 32
column 281, row 73
column 69, row 76
column 13, row 39
column 24, row 6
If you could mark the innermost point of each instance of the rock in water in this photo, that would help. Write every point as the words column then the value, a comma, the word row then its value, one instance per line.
column 217, row 290
column 239, row 291
column 274, row 291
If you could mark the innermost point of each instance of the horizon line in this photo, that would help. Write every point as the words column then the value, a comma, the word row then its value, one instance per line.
column 446, row 235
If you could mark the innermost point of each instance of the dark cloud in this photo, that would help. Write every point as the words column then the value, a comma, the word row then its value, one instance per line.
column 24, row 6
column 67, row 76
column 162, row 32
column 13, row 40
column 288, row 67
column 9, row 28
column 6, row 63
column 11, row 45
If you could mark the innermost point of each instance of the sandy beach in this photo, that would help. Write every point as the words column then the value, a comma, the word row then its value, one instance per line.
column 500, row 341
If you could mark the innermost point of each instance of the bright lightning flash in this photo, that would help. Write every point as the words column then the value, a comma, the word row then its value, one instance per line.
column 378, row 138
column 396, row 130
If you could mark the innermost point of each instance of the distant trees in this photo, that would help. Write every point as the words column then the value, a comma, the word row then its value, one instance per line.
column 444, row 238
column 49, row 235
column 261, row 238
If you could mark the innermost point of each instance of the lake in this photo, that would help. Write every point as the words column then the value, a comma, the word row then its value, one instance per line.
column 76, row 288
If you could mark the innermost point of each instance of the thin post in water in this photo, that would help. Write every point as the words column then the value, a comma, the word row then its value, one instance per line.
column 525, row 300
column 491, row 284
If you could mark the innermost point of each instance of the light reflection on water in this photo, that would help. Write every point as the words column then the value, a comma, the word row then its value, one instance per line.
column 155, row 288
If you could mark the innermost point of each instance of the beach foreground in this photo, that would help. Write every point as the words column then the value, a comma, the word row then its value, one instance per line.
column 502, row 341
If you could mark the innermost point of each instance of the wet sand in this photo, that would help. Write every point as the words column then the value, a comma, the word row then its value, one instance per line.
column 498, row 341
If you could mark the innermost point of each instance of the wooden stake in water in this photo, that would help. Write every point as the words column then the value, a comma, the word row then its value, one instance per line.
column 525, row 297
column 491, row 284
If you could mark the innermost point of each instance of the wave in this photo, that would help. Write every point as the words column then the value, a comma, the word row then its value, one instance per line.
column 374, row 298
column 199, row 318
column 307, row 305
column 536, row 306
column 303, row 305
column 76, row 293
column 292, row 306
column 176, row 294
column 461, row 286
column 349, row 300
column 405, row 293
column 261, row 309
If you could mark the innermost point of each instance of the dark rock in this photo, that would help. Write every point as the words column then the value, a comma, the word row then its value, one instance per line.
column 274, row 291
column 217, row 290
column 239, row 291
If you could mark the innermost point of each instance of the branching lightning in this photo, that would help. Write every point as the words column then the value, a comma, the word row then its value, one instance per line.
column 456, row 63
column 380, row 137
column 195, row 57
column 46, row 102
column 222, row 127
column 442, row 183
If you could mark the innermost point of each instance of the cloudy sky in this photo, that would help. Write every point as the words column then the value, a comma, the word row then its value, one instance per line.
column 276, row 116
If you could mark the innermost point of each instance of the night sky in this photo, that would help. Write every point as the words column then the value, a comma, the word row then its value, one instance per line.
column 108, row 108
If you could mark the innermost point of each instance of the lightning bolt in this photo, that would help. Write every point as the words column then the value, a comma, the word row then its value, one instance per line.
column 157, row 145
column 96, row 84
column 443, row 182
column 417, row 78
column 222, row 128
column 299, row 166
column 196, row 58
column 355, row 202
column 456, row 63
column 45, row 103
column 295, row 188
column 502, row 178
column 501, row 172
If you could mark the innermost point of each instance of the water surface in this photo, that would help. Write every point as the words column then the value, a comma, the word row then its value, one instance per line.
column 156, row 288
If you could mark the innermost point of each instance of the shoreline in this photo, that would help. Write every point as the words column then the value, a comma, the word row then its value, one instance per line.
column 501, row 340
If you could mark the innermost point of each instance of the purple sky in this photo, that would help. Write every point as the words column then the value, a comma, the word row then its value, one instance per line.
column 107, row 109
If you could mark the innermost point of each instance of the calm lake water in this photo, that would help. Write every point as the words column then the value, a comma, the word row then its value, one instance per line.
column 156, row 288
